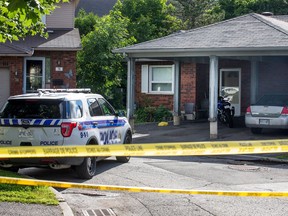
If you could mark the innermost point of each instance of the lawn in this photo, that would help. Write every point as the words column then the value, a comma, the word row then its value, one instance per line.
column 25, row 194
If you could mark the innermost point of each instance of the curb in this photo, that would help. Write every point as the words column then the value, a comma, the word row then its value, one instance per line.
column 67, row 211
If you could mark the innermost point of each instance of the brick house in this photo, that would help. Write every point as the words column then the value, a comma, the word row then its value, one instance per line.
column 241, row 59
column 36, row 62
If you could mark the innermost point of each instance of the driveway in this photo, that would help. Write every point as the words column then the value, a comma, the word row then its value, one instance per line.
column 198, row 130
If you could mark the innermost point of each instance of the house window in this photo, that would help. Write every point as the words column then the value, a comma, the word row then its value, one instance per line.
column 157, row 79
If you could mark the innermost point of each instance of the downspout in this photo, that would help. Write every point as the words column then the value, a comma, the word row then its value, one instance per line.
column 213, row 96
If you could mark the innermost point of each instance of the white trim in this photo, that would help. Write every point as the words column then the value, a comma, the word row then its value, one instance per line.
column 151, row 82
column 25, row 71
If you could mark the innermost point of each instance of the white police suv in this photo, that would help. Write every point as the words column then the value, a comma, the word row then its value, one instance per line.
column 61, row 117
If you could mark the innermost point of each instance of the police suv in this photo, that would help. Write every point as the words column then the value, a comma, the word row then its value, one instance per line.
column 61, row 117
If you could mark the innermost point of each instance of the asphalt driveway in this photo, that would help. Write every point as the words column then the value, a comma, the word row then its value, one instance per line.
column 198, row 130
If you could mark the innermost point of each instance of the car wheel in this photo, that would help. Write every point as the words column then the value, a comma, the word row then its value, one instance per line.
column 87, row 169
column 256, row 130
column 127, row 140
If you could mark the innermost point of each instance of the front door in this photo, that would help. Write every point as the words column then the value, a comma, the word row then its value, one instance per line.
column 34, row 74
column 230, row 88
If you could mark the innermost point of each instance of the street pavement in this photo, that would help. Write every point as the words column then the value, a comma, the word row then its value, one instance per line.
column 188, row 131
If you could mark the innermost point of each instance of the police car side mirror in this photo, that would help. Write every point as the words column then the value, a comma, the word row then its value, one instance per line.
column 120, row 113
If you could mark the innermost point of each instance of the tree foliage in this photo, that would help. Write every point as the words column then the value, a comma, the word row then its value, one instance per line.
column 234, row 8
column 196, row 13
column 85, row 21
column 148, row 19
column 19, row 18
column 97, row 67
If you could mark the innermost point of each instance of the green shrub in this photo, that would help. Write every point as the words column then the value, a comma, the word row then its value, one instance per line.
column 162, row 114
column 153, row 114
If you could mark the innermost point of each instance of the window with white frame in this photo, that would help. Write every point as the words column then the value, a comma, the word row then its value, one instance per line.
column 157, row 79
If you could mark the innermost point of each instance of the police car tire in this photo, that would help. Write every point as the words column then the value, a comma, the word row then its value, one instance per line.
column 127, row 140
column 87, row 169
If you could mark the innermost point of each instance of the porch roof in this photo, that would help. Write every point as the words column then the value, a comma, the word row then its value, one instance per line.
column 58, row 40
column 250, row 35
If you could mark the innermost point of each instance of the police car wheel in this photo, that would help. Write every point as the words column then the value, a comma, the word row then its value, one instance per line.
column 87, row 169
column 127, row 140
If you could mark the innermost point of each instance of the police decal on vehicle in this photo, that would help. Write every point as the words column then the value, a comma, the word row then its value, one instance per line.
column 84, row 134
column 49, row 143
column 109, row 136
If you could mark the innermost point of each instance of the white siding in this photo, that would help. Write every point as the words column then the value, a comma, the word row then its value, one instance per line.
column 62, row 17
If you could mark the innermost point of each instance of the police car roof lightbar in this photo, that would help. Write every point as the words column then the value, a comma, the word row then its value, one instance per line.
column 72, row 90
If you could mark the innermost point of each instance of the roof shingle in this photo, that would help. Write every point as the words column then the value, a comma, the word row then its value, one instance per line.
column 245, row 32
column 61, row 40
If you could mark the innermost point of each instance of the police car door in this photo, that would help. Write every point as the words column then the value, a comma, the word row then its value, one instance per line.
column 105, row 120
column 111, row 132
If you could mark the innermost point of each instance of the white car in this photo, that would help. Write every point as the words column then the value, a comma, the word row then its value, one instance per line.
column 270, row 111
column 61, row 118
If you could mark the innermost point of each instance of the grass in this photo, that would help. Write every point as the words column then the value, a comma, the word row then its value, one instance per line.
column 282, row 157
column 25, row 194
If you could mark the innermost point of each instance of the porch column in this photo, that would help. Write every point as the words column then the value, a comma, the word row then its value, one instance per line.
column 254, row 81
column 131, row 91
column 176, row 97
column 213, row 96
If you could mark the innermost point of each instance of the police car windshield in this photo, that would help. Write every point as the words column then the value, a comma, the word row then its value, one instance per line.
column 40, row 109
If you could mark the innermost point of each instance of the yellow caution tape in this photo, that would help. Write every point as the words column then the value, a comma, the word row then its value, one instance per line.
column 159, row 149
column 58, row 184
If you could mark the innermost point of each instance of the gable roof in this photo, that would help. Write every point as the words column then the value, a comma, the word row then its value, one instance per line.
column 246, row 34
column 58, row 40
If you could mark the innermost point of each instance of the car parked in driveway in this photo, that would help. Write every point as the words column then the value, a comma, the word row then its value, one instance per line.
column 61, row 117
column 270, row 111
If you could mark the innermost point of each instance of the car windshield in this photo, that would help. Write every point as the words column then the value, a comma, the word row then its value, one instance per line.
column 42, row 109
column 273, row 100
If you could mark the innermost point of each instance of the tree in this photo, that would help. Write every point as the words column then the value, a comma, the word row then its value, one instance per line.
column 85, row 22
column 196, row 13
column 234, row 8
column 97, row 66
column 148, row 19
column 19, row 18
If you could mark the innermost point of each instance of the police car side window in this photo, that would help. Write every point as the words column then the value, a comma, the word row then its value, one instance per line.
column 94, row 108
column 76, row 109
column 106, row 107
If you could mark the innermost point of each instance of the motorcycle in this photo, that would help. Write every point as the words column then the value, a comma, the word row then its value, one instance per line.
column 225, row 112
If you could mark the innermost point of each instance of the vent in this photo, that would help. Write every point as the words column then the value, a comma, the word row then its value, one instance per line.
column 98, row 212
